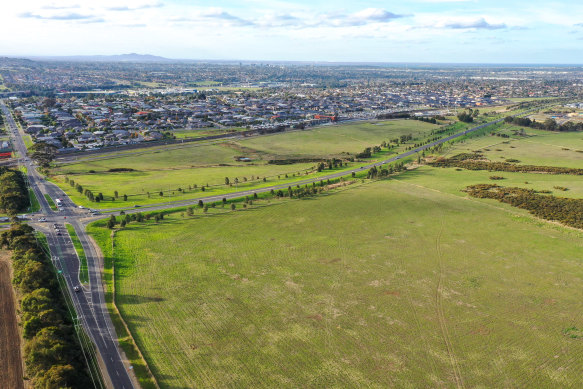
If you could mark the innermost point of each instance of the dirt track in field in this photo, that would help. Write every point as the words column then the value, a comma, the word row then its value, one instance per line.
column 10, row 358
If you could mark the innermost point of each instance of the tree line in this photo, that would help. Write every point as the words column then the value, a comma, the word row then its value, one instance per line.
column 52, row 354
column 564, row 210
column 13, row 192
column 548, row 125
column 473, row 162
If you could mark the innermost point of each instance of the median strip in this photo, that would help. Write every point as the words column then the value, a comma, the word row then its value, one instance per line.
column 83, row 272
column 51, row 202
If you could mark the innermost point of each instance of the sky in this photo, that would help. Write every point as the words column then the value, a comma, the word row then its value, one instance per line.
column 426, row 31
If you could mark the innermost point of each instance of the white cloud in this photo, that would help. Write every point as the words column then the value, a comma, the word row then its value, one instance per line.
column 479, row 23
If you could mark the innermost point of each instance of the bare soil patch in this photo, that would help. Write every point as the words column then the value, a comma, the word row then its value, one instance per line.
column 10, row 359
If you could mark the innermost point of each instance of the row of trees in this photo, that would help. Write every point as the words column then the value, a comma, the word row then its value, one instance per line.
column 51, row 353
column 471, row 162
column 432, row 119
column 330, row 164
column 13, row 192
column 564, row 210
column 548, row 125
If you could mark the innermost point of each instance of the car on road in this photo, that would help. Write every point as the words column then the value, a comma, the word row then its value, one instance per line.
column 81, row 207
column 58, row 233
column 137, row 206
column 42, row 220
column 77, row 289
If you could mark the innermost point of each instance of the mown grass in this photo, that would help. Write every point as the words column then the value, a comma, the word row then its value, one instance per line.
column 51, row 202
column 390, row 284
column 83, row 272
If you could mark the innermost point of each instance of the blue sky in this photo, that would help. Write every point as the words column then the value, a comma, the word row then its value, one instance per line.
column 460, row 31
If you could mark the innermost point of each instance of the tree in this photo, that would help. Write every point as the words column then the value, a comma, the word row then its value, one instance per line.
column 200, row 203
column 116, row 194
column 111, row 222
column 466, row 117
column 33, row 276
column 233, row 206
column 189, row 211
column 46, row 349
column 125, row 197
column 123, row 223
column 43, row 153
column 227, row 182
column 58, row 376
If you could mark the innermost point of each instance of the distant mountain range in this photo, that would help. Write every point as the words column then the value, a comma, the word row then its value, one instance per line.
column 133, row 57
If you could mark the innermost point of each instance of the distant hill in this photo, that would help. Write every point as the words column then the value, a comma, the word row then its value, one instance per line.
column 133, row 57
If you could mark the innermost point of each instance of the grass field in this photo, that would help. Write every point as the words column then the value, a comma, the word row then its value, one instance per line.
column 538, row 147
column 408, row 284
column 180, row 167
column 405, row 282
column 333, row 140
column 83, row 272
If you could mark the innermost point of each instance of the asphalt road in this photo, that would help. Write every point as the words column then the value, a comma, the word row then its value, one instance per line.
column 90, row 301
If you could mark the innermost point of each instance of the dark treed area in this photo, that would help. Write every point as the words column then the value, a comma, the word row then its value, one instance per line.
column 52, row 355
column 13, row 192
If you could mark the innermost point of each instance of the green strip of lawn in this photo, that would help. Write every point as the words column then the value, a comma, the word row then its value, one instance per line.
column 34, row 204
column 51, row 202
column 83, row 273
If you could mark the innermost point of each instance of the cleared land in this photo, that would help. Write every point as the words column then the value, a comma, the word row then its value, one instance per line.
column 393, row 283
column 11, row 375
column 169, row 169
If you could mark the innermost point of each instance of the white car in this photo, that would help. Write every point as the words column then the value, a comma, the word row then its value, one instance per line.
column 42, row 219
column 81, row 207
